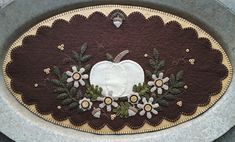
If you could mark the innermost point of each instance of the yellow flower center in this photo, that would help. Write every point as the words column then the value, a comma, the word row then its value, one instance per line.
column 85, row 104
column 76, row 76
column 133, row 98
column 108, row 101
column 147, row 107
column 159, row 83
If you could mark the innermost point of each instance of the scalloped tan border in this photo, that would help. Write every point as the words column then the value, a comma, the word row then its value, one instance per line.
column 106, row 9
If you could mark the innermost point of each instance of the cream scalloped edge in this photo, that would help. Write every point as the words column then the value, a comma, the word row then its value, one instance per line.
column 106, row 9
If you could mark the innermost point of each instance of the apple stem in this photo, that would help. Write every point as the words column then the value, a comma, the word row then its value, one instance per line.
column 119, row 57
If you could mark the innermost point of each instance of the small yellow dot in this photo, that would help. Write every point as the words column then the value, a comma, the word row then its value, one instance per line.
column 145, row 55
column 185, row 87
column 187, row 50
column 192, row 61
column 35, row 85
column 59, row 107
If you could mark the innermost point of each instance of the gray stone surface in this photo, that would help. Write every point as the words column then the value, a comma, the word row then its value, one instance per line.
column 22, row 14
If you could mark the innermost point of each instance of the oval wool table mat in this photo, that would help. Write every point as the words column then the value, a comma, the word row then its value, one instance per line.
column 210, row 123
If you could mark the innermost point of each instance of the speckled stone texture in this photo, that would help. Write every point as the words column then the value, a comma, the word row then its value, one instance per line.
column 207, row 127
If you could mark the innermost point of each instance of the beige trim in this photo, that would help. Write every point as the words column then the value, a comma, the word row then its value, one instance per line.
column 106, row 9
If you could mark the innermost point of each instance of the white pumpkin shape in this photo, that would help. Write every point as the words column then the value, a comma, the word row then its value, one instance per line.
column 118, row 77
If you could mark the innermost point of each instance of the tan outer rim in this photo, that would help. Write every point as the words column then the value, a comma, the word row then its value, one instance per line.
column 106, row 9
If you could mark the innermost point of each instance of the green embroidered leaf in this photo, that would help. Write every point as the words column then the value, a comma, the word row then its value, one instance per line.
column 73, row 105
column 152, row 63
column 172, row 79
column 142, row 89
column 109, row 57
column 170, row 97
column 179, row 75
column 69, row 85
column 93, row 92
column 56, row 82
column 163, row 103
column 56, row 71
column 87, row 67
column 155, row 53
column 75, row 55
column 122, row 110
column 85, row 58
column 60, row 90
column 73, row 91
column 67, row 101
column 63, row 77
column 83, row 48
column 175, row 91
column 148, row 73
column 161, row 64
column 179, row 84
column 62, row 96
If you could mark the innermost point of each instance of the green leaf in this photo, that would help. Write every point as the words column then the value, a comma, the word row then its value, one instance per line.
column 73, row 91
column 62, row 96
column 172, row 79
column 69, row 85
column 122, row 110
column 175, row 91
column 109, row 57
column 63, row 77
column 161, row 64
column 56, row 82
column 87, row 67
column 148, row 73
column 83, row 48
column 179, row 84
column 93, row 92
column 170, row 97
column 60, row 90
column 142, row 89
column 155, row 53
column 152, row 63
column 73, row 105
column 163, row 103
column 67, row 101
column 56, row 71
column 179, row 75
column 85, row 58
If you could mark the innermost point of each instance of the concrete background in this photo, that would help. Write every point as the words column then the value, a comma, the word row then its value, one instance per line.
column 22, row 14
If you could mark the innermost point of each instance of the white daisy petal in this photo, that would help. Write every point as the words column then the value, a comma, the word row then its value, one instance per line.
column 109, row 108
column 165, row 87
column 82, row 82
column 151, row 83
column 74, row 68
column 115, row 104
column 81, row 70
column 140, row 106
column 154, row 111
column 90, row 105
column 155, row 105
column 142, row 112
column 153, row 89
column 70, row 79
column 102, row 105
column 160, row 75
column 159, row 90
column 149, row 115
column 165, row 79
column 154, row 76
column 144, row 100
column 69, row 73
column 151, row 100
column 85, row 76
column 75, row 84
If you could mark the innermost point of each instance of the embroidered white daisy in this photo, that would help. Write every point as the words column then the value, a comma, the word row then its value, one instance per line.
column 148, row 108
column 134, row 98
column 77, row 76
column 85, row 104
column 158, row 83
column 107, row 101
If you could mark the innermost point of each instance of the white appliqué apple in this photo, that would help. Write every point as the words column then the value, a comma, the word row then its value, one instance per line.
column 118, row 77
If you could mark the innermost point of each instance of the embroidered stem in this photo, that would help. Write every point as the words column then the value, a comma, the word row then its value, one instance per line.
column 118, row 58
